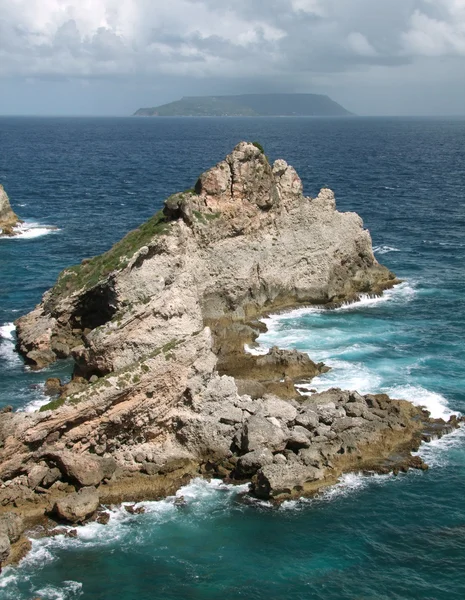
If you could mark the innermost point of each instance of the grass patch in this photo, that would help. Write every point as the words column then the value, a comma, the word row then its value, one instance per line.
column 206, row 217
column 93, row 270
column 259, row 146
column 53, row 405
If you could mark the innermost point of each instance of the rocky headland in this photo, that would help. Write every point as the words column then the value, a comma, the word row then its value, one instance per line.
column 163, row 390
column 8, row 219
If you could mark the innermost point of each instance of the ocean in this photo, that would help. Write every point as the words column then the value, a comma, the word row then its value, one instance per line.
column 367, row 538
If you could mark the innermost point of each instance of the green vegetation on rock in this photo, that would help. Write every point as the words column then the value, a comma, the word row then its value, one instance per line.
column 259, row 146
column 93, row 270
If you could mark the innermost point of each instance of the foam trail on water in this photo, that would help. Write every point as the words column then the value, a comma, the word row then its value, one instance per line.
column 68, row 591
column 384, row 249
column 29, row 231
column 348, row 484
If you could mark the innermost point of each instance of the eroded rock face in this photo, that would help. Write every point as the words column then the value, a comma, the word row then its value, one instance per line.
column 8, row 219
column 163, row 390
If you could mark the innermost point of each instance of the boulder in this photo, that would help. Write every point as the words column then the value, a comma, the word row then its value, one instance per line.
column 40, row 358
column 83, row 469
column 52, row 386
column 5, row 547
column 279, row 409
column 259, row 433
column 276, row 480
column 230, row 415
column 79, row 506
column 36, row 475
column 308, row 419
column 299, row 438
column 51, row 476
column 328, row 412
column 249, row 464
column 11, row 525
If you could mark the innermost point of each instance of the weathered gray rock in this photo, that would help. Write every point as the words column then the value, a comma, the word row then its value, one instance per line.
column 308, row 419
column 259, row 432
column 51, row 476
column 276, row 480
column 279, row 409
column 79, row 506
column 249, row 464
column 83, row 469
column 36, row 475
column 5, row 547
column 157, row 331
column 12, row 526
column 8, row 219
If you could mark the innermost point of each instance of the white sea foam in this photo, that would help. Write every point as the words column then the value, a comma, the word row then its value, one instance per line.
column 384, row 249
column 348, row 484
column 8, row 578
column 256, row 350
column 28, row 231
column 435, row 403
column 40, row 553
column 345, row 375
column 437, row 453
column 7, row 331
column 35, row 404
column 67, row 591
column 8, row 353
column 400, row 294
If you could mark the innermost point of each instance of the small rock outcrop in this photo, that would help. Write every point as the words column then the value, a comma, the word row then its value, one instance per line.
column 8, row 219
column 162, row 388
column 78, row 506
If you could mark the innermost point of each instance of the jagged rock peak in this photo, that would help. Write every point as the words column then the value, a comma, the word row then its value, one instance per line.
column 242, row 191
column 8, row 219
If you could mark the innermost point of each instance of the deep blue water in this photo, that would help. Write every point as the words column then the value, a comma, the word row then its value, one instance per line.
column 380, row 538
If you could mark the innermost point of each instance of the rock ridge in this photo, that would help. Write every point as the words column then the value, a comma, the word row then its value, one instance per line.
column 162, row 388
column 8, row 219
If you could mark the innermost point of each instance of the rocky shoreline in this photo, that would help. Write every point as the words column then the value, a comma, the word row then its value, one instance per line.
column 163, row 390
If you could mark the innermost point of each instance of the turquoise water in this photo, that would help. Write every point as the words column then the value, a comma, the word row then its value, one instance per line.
column 366, row 538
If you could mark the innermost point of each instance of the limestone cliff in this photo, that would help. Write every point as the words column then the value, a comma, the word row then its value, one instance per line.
column 162, row 388
column 8, row 219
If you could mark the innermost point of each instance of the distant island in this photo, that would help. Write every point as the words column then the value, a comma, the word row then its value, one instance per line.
column 249, row 105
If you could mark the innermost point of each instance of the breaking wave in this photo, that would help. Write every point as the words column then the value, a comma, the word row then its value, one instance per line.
column 29, row 231
column 384, row 249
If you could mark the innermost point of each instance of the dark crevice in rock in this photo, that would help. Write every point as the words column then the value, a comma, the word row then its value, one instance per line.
column 96, row 307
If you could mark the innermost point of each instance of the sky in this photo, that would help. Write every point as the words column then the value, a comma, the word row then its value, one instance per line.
column 110, row 57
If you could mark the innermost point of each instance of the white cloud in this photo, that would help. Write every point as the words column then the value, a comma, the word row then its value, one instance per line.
column 429, row 36
column 360, row 45
column 286, row 40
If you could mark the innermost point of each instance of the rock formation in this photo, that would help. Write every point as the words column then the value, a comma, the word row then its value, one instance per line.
column 8, row 219
column 162, row 388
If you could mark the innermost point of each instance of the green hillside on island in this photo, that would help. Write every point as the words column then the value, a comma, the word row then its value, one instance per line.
column 249, row 105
